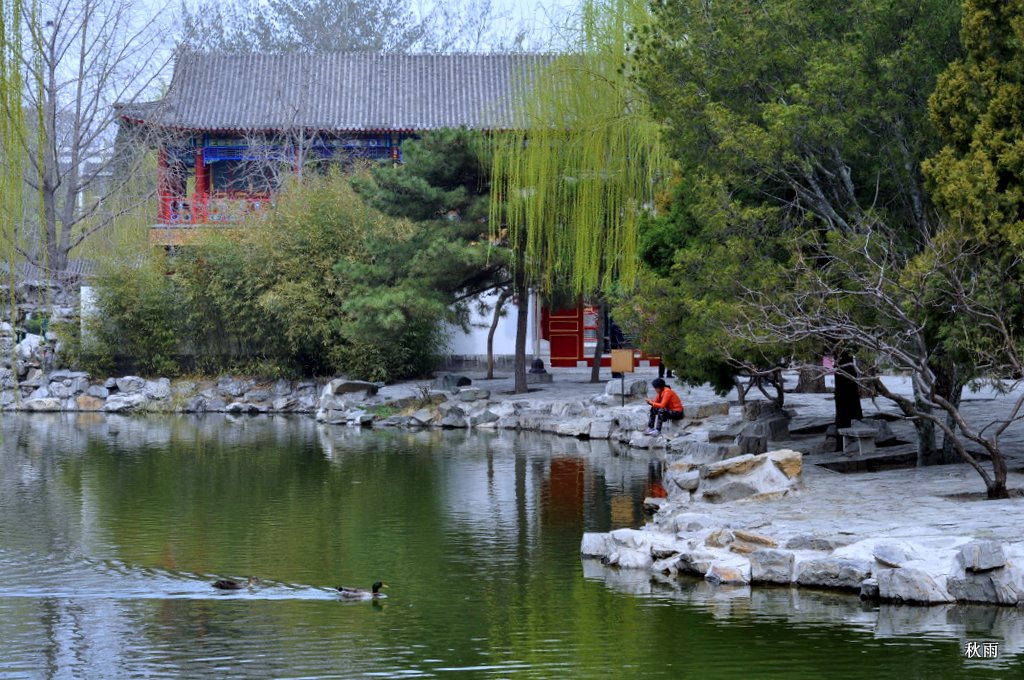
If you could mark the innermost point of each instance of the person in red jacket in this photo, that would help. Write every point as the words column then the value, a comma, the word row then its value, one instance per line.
column 666, row 405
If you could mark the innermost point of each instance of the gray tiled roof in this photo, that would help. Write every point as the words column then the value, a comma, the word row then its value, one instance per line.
column 345, row 91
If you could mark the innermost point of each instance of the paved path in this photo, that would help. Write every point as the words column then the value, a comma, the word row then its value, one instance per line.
column 905, row 503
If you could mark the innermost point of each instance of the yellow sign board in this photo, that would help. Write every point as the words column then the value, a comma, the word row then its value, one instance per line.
column 622, row 361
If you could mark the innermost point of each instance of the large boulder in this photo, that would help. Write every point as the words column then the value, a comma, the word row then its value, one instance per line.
column 981, row 556
column 833, row 572
column 916, row 581
column 129, row 384
column 355, row 388
column 632, row 388
column 125, row 402
column 762, row 476
column 771, row 566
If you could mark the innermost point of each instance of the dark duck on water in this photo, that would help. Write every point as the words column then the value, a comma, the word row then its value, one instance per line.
column 360, row 594
column 229, row 584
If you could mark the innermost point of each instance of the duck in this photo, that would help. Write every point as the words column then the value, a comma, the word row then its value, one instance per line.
column 229, row 584
column 360, row 594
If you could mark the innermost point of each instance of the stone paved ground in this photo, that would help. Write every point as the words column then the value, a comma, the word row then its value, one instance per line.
column 898, row 503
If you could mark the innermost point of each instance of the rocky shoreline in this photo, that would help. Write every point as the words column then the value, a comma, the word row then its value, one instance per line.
column 739, row 509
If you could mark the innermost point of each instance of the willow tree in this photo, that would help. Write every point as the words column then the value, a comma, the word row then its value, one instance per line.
column 575, row 178
column 12, row 128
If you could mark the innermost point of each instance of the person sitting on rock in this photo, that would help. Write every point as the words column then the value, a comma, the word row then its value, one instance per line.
column 666, row 405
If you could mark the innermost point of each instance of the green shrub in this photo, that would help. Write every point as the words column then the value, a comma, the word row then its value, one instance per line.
column 137, row 318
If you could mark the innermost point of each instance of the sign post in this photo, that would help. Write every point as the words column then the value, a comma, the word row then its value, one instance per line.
column 622, row 363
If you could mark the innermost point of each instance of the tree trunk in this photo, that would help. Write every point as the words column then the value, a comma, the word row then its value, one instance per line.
column 741, row 390
column 926, row 433
column 498, row 306
column 950, row 386
column 847, row 394
column 522, row 319
column 812, row 380
column 595, row 370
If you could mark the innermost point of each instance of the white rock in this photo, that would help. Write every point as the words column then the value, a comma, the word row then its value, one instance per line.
column 914, row 582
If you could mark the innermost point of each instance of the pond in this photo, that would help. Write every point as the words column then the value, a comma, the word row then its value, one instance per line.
column 112, row 530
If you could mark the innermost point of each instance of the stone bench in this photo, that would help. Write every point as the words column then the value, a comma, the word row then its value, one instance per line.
column 863, row 436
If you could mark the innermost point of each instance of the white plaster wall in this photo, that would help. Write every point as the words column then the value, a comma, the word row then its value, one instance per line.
column 474, row 343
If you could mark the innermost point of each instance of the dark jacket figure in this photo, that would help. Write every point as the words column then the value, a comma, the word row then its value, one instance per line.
column 666, row 405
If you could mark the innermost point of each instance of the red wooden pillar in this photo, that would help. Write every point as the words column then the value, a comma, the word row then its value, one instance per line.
column 202, row 194
column 163, row 187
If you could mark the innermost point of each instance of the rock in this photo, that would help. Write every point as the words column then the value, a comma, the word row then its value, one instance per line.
column 774, row 429
column 695, row 563
column 999, row 586
column 451, row 382
column 727, row 434
column 284, row 403
column 509, row 422
column 423, row 417
column 752, row 444
column 196, row 404
column 43, row 404
column 633, row 388
column 130, row 384
column 704, row 452
column 734, row 466
column 892, row 554
column 732, row 490
column 125, row 402
column 743, row 548
column 29, row 347
column 719, row 538
column 687, row 481
column 67, row 386
column 600, row 429
column 771, row 566
column 726, row 574
column 833, row 572
column 761, row 410
column 912, row 584
column 577, row 427
column 85, row 402
column 40, row 393
column 811, row 542
column 701, row 411
column 869, row 589
column 157, row 390
column 453, row 420
column 472, row 394
column 241, row 407
column 98, row 391
column 754, row 537
column 981, row 556
column 789, row 462
column 594, row 544
column 652, row 504
column 485, row 417
column 351, row 387
column 743, row 477
column 62, row 374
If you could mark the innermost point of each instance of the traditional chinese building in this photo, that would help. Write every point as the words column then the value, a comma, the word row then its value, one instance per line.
column 231, row 125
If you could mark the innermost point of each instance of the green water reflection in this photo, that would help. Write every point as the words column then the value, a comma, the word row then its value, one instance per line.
column 112, row 529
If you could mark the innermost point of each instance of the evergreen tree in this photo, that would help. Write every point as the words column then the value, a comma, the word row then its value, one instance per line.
column 443, row 185
column 788, row 118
